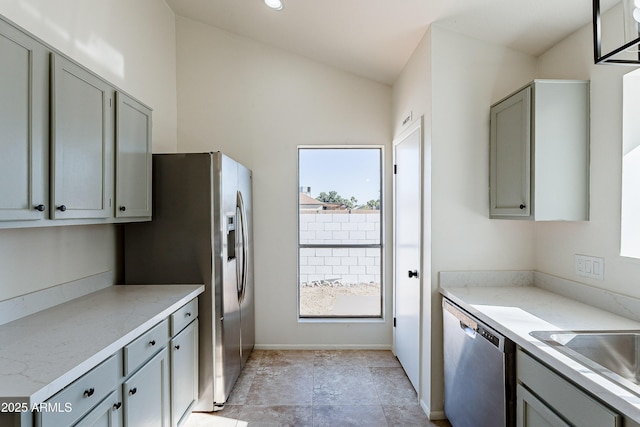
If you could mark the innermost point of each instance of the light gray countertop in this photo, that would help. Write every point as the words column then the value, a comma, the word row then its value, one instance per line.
column 42, row 353
column 515, row 311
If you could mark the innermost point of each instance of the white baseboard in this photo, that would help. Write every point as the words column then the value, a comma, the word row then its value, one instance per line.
column 321, row 347
column 432, row 415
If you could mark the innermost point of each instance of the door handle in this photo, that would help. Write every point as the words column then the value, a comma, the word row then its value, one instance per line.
column 413, row 273
column 242, row 267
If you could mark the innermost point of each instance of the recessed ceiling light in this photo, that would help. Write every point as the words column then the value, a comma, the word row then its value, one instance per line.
column 274, row 4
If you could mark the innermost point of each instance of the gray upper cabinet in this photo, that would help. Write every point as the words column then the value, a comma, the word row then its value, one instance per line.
column 539, row 153
column 68, row 153
column 81, row 144
column 510, row 156
column 133, row 158
column 23, row 126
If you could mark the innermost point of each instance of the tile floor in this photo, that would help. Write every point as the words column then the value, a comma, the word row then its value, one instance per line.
column 333, row 388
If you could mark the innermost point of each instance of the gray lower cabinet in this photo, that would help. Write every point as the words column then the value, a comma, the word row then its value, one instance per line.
column 146, row 394
column 545, row 398
column 531, row 412
column 108, row 413
column 539, row 153
column 24, row 122
column 150, row 382
column 184, row 373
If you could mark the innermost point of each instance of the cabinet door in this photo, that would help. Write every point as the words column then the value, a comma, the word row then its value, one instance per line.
column 146, row 394
column 81, row 142
column 184, row 372
column 107, row 414
column 562, row 397
column 133, row 158
column 510, row 156
column 23, row 125
column 531, row 412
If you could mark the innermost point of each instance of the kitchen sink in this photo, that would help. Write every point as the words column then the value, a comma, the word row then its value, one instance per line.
column 613, row 354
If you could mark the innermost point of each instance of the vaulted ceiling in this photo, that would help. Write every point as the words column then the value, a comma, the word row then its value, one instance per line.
column 375, row 38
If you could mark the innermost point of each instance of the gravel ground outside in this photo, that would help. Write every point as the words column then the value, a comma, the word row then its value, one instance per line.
column 319, row 300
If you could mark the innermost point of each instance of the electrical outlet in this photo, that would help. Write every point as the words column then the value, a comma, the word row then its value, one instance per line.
column 589, row 266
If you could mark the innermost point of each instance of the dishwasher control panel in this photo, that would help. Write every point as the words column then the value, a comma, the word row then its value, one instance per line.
column 489, row 336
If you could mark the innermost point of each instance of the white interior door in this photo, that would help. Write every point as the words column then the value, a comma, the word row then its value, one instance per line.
column 408, row 249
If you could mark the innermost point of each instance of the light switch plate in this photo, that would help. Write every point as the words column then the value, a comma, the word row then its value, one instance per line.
column 589, row 266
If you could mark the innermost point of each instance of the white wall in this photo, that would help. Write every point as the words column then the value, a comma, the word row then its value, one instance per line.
column 557, row 242
column 456, row 79
column 465, row 84
column 132, row 45
column 257, row 104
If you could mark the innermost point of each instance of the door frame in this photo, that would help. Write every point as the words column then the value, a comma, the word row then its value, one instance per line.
column 404, row 134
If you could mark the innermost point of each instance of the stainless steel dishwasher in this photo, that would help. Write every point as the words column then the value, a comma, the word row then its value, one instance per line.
column 479, row 372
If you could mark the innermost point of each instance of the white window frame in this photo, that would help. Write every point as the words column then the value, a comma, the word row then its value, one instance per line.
column 381, row 245
column 630, row 206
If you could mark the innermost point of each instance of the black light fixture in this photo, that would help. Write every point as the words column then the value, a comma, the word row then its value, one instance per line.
column 623, row 32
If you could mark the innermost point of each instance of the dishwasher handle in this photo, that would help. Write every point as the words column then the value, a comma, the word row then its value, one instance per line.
column 472, row 328
column 465, row 321
column 471, row 333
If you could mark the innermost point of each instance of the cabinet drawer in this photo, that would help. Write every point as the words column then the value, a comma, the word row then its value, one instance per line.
column 145, row 346
column 565, row 398
column 183, row 316
column 77, row 399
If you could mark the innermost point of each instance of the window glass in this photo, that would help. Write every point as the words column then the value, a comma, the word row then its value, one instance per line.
column 339, row 235
column 630, row 219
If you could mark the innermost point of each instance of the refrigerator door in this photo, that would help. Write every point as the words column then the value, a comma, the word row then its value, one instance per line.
column 247, row 289
column 227, row 180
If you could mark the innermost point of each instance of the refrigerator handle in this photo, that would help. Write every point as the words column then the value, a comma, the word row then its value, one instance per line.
column 241, row 267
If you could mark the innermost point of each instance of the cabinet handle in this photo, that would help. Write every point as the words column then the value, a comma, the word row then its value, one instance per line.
column 123, row 208
column 89, row 393
column 40, row 208
column 133, row 391
column 62, row 208
column 522, row 206
column 413, row 273
column 188, row 314
column 177, row 347
column 152, row 342
column 117, row 406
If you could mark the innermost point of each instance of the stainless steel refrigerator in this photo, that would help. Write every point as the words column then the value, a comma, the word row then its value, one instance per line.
column 201, row 232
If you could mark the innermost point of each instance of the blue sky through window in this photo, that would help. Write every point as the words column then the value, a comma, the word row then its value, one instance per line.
column 349, row 171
